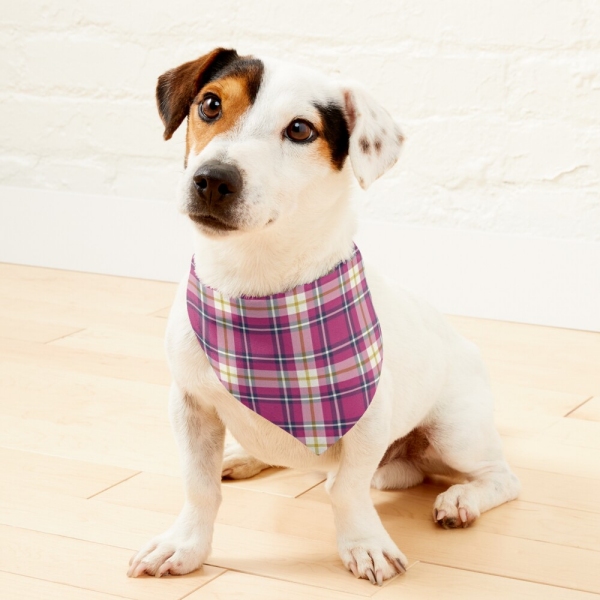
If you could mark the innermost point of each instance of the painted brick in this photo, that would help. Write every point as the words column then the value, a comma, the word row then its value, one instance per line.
column 102, row 66
column 565, row 87
column 499, row 100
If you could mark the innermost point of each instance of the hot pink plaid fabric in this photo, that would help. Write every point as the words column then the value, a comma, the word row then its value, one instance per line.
column 308, row 360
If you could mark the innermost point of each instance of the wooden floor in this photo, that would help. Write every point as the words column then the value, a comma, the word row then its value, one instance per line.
column 89, row 470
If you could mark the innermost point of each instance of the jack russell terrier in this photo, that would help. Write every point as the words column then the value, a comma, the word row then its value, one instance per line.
column 281, row 334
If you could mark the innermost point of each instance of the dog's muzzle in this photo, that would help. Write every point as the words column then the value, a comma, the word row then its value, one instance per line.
column 216, row 187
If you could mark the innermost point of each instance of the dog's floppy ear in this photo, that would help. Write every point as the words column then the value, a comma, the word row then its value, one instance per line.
column 177, row 88
column 375, row 138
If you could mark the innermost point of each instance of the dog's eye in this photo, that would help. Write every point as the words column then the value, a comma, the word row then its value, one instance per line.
column 210, row 108
column 299, row 130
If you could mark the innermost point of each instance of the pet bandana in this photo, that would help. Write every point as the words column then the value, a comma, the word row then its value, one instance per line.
column 307, row 360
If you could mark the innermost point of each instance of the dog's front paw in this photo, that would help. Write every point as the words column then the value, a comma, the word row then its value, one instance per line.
column 372, row 559
column 172, row 553
column 238, row 464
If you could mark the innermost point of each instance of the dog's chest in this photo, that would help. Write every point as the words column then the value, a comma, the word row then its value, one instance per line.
column 195, row 376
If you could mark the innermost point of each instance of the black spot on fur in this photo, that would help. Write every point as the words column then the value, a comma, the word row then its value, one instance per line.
column 335, row 132
column 377, row 146
column 365, row 145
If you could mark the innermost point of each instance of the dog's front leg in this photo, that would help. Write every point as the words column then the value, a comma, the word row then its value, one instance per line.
column 364, row 545
column 184, row 547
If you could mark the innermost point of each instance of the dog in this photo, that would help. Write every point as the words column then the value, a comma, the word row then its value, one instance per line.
column 271, row 150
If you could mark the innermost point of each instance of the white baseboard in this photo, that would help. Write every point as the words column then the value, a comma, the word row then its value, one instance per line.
column 515, row 278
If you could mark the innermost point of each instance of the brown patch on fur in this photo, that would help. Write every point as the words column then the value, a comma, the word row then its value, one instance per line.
column 365, row 145
column 322, row 148
column 177, row 88
column 377, row 145
column 235, row 101
column 411, row 447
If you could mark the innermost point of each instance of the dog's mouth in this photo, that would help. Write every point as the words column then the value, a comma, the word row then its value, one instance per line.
column 211, row 222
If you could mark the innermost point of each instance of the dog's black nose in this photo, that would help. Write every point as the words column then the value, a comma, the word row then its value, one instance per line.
column 218, row 183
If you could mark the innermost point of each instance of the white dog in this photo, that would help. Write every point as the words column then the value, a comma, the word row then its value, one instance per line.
column 266, row 188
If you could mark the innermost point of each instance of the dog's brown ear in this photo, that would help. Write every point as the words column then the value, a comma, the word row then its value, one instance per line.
column 177, row 88
column 375, row 138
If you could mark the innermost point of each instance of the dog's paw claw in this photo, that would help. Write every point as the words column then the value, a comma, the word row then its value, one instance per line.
column 367, row 560
column 169, row 555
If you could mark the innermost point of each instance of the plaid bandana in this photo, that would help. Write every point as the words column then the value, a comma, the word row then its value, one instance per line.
column 307, row 360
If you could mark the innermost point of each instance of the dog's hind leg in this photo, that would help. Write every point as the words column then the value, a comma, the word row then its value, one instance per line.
column 238, row 464
column 470, row 444
column 400, row 466
column 398, row 474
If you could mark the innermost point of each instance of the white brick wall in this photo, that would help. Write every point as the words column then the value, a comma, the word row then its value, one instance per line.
column 500, row 99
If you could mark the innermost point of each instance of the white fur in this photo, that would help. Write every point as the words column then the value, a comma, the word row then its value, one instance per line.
column 296, row 224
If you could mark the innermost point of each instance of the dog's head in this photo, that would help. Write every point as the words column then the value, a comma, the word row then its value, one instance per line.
column 265, row 139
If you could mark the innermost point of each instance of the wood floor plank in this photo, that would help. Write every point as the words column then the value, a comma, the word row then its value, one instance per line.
column 564, row 526
column 425, row 581
column 119, row 341
column 149, row 491
column 550, row 358
column 590, row 411
column 78, row 316
column 120, row 444
column 555, row 489
column 95, row 418
column 281, row 482
column 573, row 432
column 521, row 411
column 29, row 330
column 83, row 361
column 73, row 397
column 164, row 493
column 251, row 587
column 495, row 554
column 87, row 565
column 522, row 337
column 49, row 473
column 551, row 456
column 579, row 377
column 71, row 288
column 19, row 587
